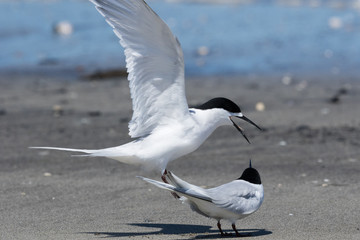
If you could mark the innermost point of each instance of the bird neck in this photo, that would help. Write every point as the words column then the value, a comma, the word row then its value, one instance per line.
column 210, row 119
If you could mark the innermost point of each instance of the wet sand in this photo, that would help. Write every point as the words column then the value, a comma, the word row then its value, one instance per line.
column 308, row 157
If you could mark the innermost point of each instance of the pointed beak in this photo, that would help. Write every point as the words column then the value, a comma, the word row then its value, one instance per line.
column 240, row 130
column 241, row 116
column 249, row 121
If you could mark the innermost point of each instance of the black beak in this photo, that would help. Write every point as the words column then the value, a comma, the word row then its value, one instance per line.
column 240, row 129
column 249, row 121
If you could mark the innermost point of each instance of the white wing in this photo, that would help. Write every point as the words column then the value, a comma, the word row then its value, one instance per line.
column 237, row 196
column 154, row 60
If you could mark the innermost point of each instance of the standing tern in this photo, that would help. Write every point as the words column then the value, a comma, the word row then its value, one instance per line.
column 163, row 125
column 231, row 201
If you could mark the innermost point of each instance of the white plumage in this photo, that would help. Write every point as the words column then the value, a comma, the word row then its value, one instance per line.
column 231, row 201
column 162, row 122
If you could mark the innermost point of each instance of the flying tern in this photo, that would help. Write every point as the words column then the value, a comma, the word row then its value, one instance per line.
column 163, row 125
column 231, row 201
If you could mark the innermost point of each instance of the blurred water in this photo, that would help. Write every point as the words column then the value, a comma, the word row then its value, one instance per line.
column 259, row 37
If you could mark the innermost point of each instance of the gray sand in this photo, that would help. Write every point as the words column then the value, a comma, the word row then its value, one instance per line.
column 308, row 157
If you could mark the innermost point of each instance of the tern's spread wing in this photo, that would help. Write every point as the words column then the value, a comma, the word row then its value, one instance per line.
column 154, row 60
column 237, row 196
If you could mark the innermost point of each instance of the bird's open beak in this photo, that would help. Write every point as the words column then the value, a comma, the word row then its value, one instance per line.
column 249, row 121
column 242, row 130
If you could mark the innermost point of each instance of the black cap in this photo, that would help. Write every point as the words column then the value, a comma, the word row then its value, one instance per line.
column 220, row 102
column 251, row 175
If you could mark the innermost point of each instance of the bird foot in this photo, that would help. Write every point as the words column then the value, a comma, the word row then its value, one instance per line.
column 163, row 177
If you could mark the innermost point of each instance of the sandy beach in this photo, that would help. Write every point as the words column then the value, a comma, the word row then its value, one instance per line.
column 308, row 157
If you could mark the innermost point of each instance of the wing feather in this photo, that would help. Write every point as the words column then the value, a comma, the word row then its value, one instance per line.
column 237, row 196
column 154, row 61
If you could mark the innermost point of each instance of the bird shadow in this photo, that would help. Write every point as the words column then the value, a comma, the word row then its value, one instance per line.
column 195, row 231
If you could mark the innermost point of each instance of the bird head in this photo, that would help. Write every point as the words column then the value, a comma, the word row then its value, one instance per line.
column 251, row 175
column 231, row 110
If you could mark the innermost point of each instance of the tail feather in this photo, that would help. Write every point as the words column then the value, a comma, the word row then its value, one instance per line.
column 158, row 184
column 113, row 153
column 179, row 183
column 194, row 192
column 67, row 149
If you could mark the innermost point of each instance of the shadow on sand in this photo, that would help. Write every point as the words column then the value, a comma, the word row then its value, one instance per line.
column 195, row 231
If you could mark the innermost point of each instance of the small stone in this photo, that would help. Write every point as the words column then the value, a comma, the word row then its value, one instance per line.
column 47, row 174
column 260, row 106
column 301, row 85
column 57, row 110
column 94, row 113
column 286, row 80
column 282, row 143
column 325, row 111
column 43, row 153
column 352, row 160
column 85, row 121
column 2, row 112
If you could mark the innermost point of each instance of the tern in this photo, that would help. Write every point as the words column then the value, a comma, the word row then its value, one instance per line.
column 231, row 201
column 163, row 126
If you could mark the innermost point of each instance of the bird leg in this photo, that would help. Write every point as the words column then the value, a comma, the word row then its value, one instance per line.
column 219, row 227
column 163, row 177
column 236, row 231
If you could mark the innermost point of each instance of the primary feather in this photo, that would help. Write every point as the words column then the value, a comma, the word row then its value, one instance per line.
column 154, row 60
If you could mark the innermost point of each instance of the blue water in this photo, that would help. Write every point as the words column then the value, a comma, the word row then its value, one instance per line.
column 261, row 37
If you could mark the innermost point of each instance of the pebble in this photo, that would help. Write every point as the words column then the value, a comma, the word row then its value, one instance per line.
column 57, row 110
column 43, row 153
column 283, row 143
column 286, row 80
column 353, row 160
column 260, row 106
column 325, row 111
column 94, row 113
column 301, row 85
column 47, row 174
column 85, row 121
